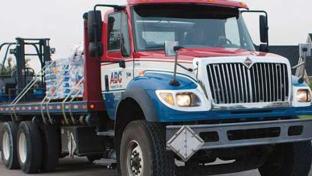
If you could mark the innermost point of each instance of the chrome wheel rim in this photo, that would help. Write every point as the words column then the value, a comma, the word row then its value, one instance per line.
column 135, row 162
column 22, row 148
column 6, row 146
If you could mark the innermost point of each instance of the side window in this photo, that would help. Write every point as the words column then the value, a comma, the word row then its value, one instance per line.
column 118, row 32
column 114, row 25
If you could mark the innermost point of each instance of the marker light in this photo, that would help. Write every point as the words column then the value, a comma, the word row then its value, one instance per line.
column 167, row 97
column 243, row 5
column 92, row 106
column 303, row 96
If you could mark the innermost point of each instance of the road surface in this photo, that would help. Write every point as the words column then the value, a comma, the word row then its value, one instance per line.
column 81, row 167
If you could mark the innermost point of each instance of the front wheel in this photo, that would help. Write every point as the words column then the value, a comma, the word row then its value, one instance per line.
column 292, row 159
column 143, row 151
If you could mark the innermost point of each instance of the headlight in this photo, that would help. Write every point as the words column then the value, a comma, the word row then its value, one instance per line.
column 180, row 99
column 187, row 100
column 303, row 95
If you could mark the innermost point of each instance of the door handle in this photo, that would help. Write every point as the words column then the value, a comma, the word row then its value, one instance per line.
column 122, row 64
column 106, row 83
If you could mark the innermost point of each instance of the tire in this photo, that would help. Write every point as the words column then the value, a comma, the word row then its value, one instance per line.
column 51, row 147
column 292, row 159
column 146, row 143
column 8, row 145
column 29, row 147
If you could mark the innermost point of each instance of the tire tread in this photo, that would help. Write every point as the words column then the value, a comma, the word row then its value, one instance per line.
column 12, row 128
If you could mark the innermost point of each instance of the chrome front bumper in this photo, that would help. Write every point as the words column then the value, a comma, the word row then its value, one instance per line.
column 187, row 140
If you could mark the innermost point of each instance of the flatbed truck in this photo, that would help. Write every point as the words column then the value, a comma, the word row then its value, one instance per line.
column 169, row 88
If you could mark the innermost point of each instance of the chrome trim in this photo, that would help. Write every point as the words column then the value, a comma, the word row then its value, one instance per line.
column 212, row 81
column 266, row 98
column 225, row 86
column 237, row 83
column 262, row 82
column 230, row 85
column 221, row 83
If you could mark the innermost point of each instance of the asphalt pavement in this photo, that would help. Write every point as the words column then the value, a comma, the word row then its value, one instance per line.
column 81, row 167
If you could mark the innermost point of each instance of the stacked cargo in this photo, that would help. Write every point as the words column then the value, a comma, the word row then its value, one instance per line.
column 62, row 77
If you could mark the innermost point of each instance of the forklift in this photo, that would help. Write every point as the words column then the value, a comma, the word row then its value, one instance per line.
column 15, row 78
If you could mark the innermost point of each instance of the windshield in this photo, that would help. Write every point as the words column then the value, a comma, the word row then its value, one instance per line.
column 193, row 26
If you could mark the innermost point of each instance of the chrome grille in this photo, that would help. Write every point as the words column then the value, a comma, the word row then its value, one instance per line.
column 232, row 83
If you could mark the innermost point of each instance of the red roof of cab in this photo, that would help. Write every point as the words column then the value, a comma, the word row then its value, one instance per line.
column 226, row 3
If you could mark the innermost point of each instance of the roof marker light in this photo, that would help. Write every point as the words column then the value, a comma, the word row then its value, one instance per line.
column 92, row 106
column 244, row 5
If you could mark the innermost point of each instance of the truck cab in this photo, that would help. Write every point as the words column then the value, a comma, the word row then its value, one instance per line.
column 163, row 88
column 191, row 70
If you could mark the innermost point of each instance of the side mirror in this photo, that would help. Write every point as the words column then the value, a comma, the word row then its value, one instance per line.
column 95, row 49
column 264, row 29
column 95, row 26
column 170, row 48
column 305, row 50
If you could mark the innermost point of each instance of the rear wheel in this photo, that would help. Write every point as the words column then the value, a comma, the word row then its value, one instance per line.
column 29, row 144
column 51, row 147
column 8, row 145
column 143, row 151
column 292, row 159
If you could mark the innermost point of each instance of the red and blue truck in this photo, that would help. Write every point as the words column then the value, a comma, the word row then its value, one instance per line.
column 170, row 87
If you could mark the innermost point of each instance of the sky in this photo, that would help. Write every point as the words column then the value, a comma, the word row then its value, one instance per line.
column 61, row 20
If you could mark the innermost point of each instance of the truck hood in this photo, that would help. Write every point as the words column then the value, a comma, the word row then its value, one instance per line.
column 190, row 53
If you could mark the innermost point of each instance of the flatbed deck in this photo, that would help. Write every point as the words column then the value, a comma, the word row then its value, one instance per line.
column 51, row 109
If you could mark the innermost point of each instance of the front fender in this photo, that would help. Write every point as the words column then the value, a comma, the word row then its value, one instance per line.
column 144, row 101
column 142, row 90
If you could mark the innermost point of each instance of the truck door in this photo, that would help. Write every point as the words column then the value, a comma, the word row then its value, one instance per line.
column 117, row 68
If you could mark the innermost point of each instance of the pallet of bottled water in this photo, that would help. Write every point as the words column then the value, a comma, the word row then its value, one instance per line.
column 63, row 77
